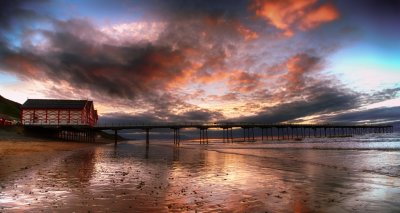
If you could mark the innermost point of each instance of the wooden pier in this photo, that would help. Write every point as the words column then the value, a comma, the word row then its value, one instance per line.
column 268, row 131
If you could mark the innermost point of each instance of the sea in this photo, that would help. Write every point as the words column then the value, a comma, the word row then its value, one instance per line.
column 346, row 174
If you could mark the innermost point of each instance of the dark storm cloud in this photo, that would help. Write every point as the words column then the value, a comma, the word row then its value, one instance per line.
column 197, row 115
column 383, row 95
column 323, row 99
column 13, row 15
column 329, row 97
column 386, row 114
column 78, row 53
column 306, row 96
column 13, row 12
column 194, row 48
column 123, row 71
column 200, row 115
column 78, row 56
column 123, row 118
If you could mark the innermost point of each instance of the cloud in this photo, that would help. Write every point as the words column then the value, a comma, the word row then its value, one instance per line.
column 321, row 99
column 232, row 96
column 288, row 15
column 244, row 82
column 119, row 62
column 298, row 67
column 124, row 118
column 377, row 115
column 323, row 14
column 247, row 33
column 135, row 32
column 198, row 115
column 77, row 57
column 383, row 95
column 14, row 13
column 183, row 53
column 328, row 101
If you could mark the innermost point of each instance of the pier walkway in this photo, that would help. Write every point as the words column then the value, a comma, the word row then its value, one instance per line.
column 268, row 131
column 278, row 131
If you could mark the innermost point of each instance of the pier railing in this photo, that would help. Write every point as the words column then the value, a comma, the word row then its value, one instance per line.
column 226, row 124
column 271, row 131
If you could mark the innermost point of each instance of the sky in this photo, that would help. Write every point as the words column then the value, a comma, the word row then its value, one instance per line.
column 269, row 61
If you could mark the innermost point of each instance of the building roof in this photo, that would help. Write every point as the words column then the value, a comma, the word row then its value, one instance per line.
column 54, row 104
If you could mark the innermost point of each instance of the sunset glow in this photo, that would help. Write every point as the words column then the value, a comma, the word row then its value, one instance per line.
column 169, row 61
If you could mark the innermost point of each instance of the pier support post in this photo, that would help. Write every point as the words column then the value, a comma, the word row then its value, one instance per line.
column 262, row 134
column 231, row 135
column 203, row 135
column 177, row 137
column 200, row 139
column 115, row 137
column 207, row 136
column 147, row 137
column 278, row 135
column 291, row 129
column 223, row 135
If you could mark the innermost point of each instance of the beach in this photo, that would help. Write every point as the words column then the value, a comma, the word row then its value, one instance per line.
column 19, row 152
column 281, row 176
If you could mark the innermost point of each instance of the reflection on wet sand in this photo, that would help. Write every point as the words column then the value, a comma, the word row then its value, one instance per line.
column 162, row 177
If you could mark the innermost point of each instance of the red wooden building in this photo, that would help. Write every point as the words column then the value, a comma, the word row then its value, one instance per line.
column 58, row 112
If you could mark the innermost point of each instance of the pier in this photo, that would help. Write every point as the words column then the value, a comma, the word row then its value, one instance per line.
column 245, row 132
column 268, row 131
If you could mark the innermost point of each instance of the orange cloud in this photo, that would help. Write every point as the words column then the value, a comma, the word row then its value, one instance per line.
column 298, row 66
column 247, row 34
column 288, row 15
column 24, row 65
column 244, row 82
column 207, row 78
column 323, row 14
column 185, row 77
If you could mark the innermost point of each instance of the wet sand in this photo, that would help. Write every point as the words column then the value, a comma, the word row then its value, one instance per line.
column 19, row 152
column 16, row 156
column 215, row 178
